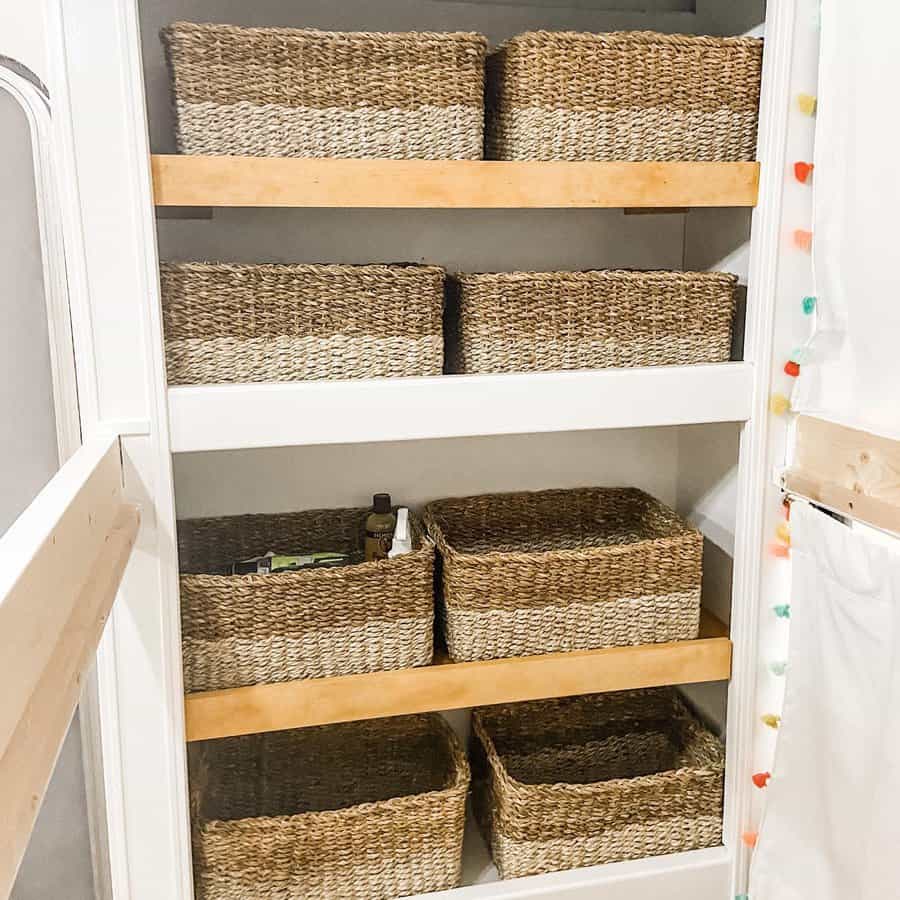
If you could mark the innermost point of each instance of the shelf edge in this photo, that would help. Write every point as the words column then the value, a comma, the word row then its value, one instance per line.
column 247, row 181
column 252, row 416
column 322, row 701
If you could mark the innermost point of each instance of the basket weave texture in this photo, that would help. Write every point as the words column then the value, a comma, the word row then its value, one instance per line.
column 253, row 323
column 540, row 321
column 290, row 92
column 547, row 571
column 623, row 96
column 256, row 629
column 584, row 781
column 360, row 811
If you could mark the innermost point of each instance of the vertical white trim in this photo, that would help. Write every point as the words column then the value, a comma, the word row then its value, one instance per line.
column 754, row 490
column 101, row 142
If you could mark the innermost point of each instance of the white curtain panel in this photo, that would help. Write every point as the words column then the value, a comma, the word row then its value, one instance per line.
column 853, row 368
column 831, row 829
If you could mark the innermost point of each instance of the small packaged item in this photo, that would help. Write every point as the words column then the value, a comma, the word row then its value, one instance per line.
column 272, row 563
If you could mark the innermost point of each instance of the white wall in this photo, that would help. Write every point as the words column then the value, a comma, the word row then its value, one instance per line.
column 22, row 35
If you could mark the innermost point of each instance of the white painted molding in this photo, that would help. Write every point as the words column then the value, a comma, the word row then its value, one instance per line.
column 35, row 105
column 100, row 142
column 753, row 492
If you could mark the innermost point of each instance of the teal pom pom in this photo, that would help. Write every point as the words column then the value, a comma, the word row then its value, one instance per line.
column 782, row 610
column 778, row 668
column 809, row 304
column 799, row 355
column 741, row 897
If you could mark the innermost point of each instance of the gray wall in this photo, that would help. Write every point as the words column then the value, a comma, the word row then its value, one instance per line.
column 58, row 861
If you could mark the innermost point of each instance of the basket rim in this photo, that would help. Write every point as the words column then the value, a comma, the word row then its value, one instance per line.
column 661, row 275
column 681, row 711
column 459, row 784
column 299, row 268
column 324, row 574
column 184, row 26
column 688, row 532
column 642, row 38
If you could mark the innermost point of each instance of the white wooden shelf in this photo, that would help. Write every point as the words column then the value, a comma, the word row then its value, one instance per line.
column 698, row 875
column 229, row 417
column 451, row 184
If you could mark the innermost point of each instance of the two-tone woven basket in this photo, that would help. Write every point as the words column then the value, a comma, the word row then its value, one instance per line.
column 253, row 629
column 290, row 92
column 361, row 811
column 623, row 96
column 546, row 571
column 251, row 323
column 582, row 781
column 540, row 321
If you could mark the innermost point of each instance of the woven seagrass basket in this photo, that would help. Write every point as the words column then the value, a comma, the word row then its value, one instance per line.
column 547, row 571
column 582, row 781
column 255, row 629
column 623, row 96
column 360, row 811
column 252, row 323
column 541, row 321
column 290, row 92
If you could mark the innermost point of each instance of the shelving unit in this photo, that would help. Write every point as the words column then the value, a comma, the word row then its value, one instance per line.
column 445, row 685
column 244, row 416
column 457, row 184
column 101, row 111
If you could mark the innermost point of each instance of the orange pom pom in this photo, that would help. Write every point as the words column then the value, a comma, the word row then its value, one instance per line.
column 780, row 550
column 803, row 239
column 802, row 171
column 791, row 368
column 761, row 779
column 750, row 838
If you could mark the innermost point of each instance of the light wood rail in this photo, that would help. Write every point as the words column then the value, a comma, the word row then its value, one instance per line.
column 60, row 567
column 446, row 685
column 210, row 181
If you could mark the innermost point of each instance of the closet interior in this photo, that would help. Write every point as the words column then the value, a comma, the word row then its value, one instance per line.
column 273, row 734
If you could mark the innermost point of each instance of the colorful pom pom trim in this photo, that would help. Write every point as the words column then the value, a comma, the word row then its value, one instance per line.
column 807, row 104
column 803, row 239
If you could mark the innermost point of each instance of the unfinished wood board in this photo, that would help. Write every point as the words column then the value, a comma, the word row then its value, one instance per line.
column 848, row 470
column 28, row 757
column 45, row 558
column 446, row 685
column 461, row 184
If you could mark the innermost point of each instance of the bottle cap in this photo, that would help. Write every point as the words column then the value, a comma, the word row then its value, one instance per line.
column 381, row 503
